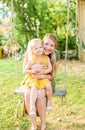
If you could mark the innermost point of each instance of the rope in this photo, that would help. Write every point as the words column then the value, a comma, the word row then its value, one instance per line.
column 62, row 91
column 13, row 38
column 66, row 47
column 12, row 23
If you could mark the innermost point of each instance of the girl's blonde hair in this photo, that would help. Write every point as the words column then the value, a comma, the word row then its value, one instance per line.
column 32, row 43
column 53, row 55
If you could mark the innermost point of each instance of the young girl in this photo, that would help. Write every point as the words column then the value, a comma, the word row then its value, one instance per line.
column 35, row 56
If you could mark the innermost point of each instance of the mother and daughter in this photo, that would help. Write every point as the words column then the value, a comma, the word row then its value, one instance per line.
column 40, row 67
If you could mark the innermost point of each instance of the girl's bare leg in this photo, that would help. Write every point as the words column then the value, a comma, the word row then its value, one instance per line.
column 33, row 97
column 27, row 105
column 49, row 96
column 27, row 99
column 41, row 108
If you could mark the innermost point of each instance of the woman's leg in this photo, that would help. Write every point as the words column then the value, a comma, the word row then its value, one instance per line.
column 49, row 96
column 41, row 108
column 33, row 121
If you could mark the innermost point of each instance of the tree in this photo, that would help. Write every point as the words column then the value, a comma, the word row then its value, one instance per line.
column 34, row 18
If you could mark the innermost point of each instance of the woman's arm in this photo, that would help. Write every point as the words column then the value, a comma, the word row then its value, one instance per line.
column 48, row 69
column 48, row 76
column 57, row 65
column 42, row 76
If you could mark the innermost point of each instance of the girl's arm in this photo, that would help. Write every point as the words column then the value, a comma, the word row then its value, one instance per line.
column 29, row 71
column 27, row 66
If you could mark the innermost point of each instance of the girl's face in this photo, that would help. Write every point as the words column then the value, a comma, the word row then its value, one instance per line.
column 48, row 46
column 37, row 49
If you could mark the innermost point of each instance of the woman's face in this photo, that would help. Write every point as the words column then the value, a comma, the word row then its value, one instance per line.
column 48, row 46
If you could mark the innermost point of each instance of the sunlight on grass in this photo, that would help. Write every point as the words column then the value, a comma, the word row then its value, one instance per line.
column 69, row 116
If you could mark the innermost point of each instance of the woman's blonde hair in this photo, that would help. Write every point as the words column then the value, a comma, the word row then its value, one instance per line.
column 50, row 36
column 53, row 55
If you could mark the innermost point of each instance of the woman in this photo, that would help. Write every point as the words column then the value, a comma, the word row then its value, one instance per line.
column 49, row 43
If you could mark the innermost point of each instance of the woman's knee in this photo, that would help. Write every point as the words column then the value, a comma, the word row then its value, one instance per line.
column 41, row 93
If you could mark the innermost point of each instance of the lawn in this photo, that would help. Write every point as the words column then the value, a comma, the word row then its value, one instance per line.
column 69, row 116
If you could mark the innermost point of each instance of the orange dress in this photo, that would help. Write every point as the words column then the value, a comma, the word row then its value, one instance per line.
column 29, row 81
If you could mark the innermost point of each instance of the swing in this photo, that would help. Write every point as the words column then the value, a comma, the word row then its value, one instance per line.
column 17, row 91
column 60, row 92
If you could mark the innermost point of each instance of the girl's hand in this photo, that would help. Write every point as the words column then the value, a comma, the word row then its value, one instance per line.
column 42, row 66
column 34, row 71
column 57, row 65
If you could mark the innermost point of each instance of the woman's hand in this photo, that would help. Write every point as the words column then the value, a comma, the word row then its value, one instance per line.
column 57, row 65
column 38, row 66
column 36, row 76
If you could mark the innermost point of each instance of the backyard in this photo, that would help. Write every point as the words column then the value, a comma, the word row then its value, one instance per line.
column 69, row 116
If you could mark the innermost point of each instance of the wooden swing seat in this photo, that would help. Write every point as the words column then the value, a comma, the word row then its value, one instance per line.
column 19, row 91
column 61, row 92
column 58, row 92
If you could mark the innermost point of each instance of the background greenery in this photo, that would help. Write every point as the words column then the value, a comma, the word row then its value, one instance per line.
column 35, row 18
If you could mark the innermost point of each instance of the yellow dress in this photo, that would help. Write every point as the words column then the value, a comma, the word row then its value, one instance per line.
column 29, row 81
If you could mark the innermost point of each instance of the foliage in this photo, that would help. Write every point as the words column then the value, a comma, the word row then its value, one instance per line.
column 36, row 18
column 4, row 13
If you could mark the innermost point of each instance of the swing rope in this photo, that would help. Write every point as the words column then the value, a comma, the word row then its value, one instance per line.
column 12, row 20
column 62, row 91
column 20, row 89
column 66, row 47
column 13, row 37
column 17, row 91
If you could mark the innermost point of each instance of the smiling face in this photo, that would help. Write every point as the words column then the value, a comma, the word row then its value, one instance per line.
column 37, row 49
column 49, row 43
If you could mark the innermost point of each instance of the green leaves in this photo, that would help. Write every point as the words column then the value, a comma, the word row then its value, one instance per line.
column 51, row 16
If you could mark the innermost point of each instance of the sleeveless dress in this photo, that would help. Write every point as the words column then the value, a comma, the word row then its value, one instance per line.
column 29, row 81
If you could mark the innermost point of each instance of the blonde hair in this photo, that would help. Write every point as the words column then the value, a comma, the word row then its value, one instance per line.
column 53, row 55
column 32, row 43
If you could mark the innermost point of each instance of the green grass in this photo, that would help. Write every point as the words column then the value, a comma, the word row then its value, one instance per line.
column 70, row 116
